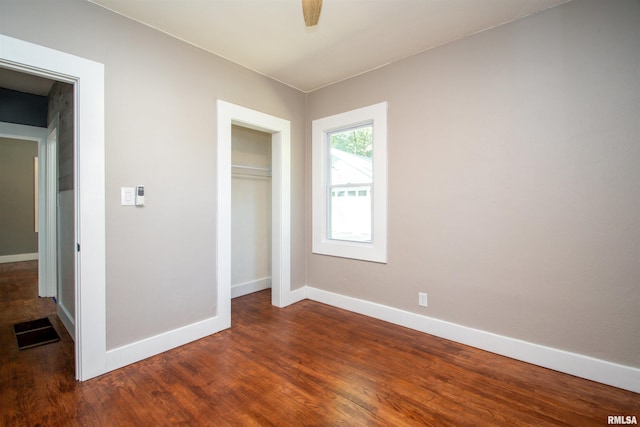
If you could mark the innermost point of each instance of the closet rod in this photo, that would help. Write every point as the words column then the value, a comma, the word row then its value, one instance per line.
column 251, row 168
column 250, row 171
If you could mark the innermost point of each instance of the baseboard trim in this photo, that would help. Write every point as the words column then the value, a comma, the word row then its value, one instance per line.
column 250, row 287
column 67, row 320
column 131, row 353
column 139, row 350
column 5, row 259
column 579, row 365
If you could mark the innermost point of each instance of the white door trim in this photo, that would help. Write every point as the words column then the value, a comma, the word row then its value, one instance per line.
column 89, row 183
column 280, row 130
column 50, row 254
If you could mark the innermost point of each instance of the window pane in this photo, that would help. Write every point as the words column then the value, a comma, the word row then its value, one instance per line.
column 351, row 156
column 350, row 214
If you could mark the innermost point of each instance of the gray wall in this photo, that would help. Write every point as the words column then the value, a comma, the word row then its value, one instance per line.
column 160, row 118
column 17, row 235
column 514, row 181
column 17, row 215
column 60, row 102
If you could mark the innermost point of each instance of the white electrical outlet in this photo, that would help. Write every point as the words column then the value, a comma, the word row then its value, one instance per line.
column 422, row 299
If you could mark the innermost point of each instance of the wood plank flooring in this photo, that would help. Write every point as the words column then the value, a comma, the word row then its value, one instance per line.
column 308, row 364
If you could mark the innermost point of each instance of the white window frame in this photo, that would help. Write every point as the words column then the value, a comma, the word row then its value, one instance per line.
column 376, row 250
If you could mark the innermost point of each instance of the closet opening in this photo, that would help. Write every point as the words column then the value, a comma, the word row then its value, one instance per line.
column 251, row 206
column 231, row 116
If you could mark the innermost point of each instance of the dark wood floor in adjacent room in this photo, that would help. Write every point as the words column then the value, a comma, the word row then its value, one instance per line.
column 308, row 364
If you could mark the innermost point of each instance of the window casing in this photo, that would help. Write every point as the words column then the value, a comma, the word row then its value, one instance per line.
column 349, row 186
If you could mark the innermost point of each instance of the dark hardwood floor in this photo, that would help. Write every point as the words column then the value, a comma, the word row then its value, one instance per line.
column 308, row 364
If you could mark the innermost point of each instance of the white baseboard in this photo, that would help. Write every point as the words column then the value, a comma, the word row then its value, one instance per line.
column 602, row 371
column 148, row 347
column 139, row 350
column 250, row 287
column 4, row 259
column 67, row 320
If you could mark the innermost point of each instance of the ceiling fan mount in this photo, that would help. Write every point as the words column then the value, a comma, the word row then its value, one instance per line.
column 311, row 10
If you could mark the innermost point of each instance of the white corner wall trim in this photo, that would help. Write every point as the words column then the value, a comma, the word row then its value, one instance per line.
column 249, row 287
column 602, row 371
column 295, row 296
column 4, row 259
column 152, row 346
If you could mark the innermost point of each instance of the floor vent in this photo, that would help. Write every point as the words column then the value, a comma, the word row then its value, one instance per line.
column 35, row 333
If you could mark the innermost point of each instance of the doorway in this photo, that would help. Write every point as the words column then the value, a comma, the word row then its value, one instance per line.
column 250, row 211
column 280, row 136
column 89, row 197
column 19, row 188
column 37, row 211
column 19, row 226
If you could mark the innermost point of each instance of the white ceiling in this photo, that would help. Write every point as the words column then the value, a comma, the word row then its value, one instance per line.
column 353, row 36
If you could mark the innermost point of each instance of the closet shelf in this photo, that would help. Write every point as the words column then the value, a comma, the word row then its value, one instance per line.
column 250, row 170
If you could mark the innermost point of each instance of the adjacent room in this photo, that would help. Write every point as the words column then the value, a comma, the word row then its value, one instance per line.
column 303, row 212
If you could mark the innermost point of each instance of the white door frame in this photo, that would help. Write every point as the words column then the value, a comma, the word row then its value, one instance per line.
column 89, row 184
column 280, row 130
column 50, row 246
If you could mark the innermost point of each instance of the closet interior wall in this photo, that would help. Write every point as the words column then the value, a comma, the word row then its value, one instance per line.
column 250, row 211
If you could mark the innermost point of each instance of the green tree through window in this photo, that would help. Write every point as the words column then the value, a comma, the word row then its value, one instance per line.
column 357, row 141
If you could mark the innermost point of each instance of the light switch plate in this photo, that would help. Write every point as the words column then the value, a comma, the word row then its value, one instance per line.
column 127, row 196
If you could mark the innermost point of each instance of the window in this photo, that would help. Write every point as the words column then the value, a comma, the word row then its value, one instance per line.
column 350, row 184
column 350, row 170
